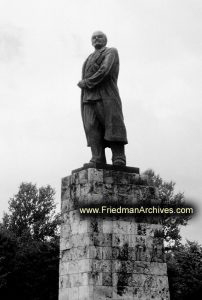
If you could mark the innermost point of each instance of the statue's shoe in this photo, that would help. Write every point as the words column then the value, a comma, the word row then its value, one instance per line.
column 119, row 162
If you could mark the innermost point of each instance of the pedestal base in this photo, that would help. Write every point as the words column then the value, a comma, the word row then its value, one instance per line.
column 109, row 257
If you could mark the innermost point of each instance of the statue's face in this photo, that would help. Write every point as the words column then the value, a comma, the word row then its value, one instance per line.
column 98, row 40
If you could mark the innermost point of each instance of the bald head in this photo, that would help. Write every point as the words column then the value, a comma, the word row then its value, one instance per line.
column 99, row 39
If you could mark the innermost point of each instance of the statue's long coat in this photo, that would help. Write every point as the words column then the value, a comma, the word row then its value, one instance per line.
column 100, row 73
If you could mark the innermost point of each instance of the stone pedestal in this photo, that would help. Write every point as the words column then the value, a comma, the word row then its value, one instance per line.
column 106, row 255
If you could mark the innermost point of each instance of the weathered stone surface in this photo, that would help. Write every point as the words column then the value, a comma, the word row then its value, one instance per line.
column 110, row 256
column 64, row 294
column 136, row 293
column 85, row 293
column 64, row 281
column 100, row 166
column 103, row 292
column 74, row 293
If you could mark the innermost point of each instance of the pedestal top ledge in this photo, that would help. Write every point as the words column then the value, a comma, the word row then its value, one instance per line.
column 108, row 167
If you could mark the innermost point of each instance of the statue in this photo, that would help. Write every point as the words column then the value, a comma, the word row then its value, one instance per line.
column 101, row 106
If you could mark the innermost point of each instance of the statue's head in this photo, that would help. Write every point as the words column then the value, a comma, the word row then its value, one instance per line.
column 99, row 39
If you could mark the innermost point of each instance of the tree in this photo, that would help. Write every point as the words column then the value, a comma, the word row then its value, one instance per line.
column 168, row 197
column 8, row 248
column 29, row 245
column 184, row 261
column 185, row 272
column 32, row 213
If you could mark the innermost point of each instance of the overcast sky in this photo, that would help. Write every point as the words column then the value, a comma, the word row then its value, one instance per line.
column 43, row 44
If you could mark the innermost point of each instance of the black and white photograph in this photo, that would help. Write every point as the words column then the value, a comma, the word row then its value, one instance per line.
column 101, row 142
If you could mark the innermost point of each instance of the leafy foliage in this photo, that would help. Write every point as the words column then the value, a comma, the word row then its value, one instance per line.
column 29, row 245
column 185, row 272
column 171, row 223
column 184, row 261
column 32, row 213
column 8, row 248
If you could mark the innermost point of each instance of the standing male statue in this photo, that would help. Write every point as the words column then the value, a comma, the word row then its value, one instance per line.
column 101, row 106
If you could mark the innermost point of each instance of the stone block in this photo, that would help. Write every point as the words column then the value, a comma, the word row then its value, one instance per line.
column 80, row 240
column 66, row 181
column 153, row 268
column 75, row 253
column 141, row 293
column 83, row 176
column 74, row 293
column 106, row 252
column 119, row 240
column 123, row 293
column 74, row 280
column 101, row 266
column 95, row 225
column 65, row 243
column 109, row 192
column 132, row 240
column 85, row 189
column 95, row 278
column 121, row 253
column 107, row 226
column 83, row 226
column 65, row 230
column 64, row 281
column 102, row 239
column 74, row 266
column 84, row 279
column 95, row 199
column 116, row 256
column 64, row 268
column 64, row 294
column 132, row 253
column 95, row 175
column 106, row 279
column 84, row 265
column 95, row 252
column 85, row 293
column 124, row 227
column 65, row 205
column 125, row 267
column 102, row 293
column 65, row 255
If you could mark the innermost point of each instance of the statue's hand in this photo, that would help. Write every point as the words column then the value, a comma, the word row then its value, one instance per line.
column 81, row 84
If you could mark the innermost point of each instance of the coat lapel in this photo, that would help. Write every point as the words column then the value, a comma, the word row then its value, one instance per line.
column 94, row 57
